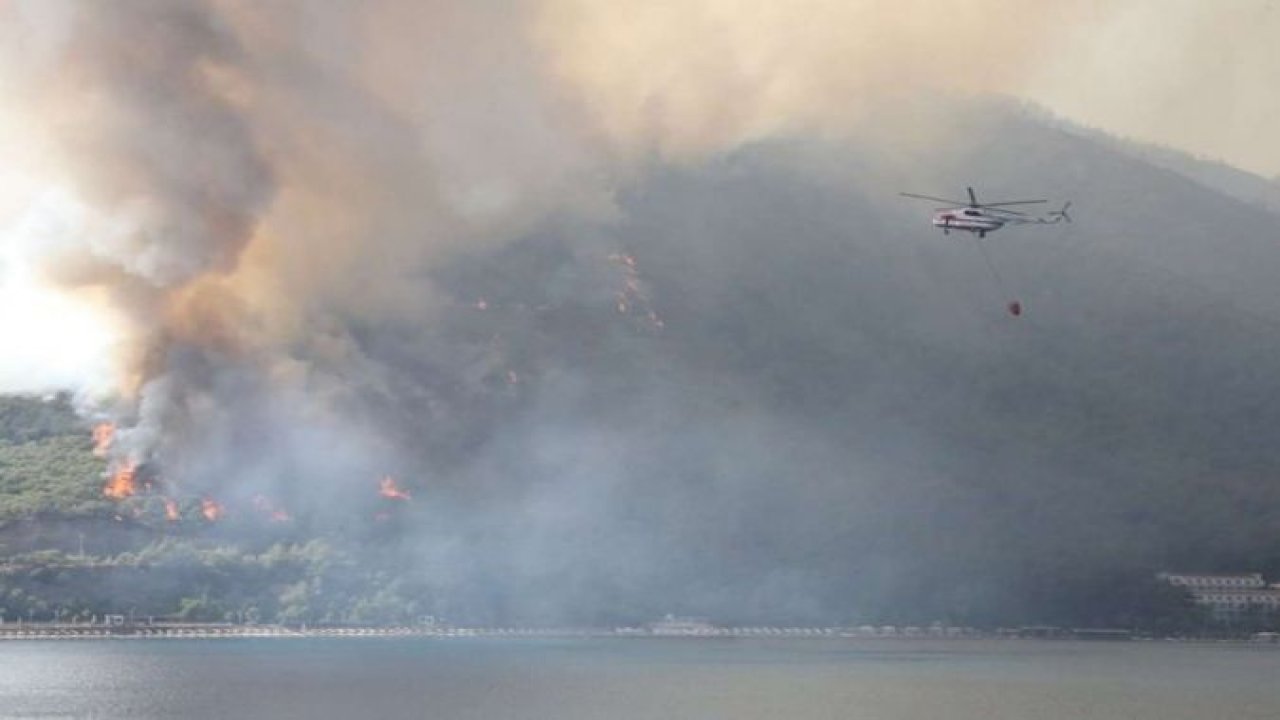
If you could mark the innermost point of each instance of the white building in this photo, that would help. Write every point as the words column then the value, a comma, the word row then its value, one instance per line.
column 1228, row 596
column 672, row 625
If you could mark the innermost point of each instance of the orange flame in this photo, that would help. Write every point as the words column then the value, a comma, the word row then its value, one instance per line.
column 388, row 489
column 273, row 513
column 211, row 509
column 171, row 510
column 103, row 435
column 122, row 485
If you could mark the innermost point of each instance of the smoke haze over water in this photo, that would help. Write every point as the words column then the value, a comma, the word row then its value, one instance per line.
column 622, row 293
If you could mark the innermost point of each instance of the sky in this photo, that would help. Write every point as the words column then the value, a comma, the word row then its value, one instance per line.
column 1196, row 76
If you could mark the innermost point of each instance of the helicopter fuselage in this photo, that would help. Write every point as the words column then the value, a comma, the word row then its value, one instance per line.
column 968, row 220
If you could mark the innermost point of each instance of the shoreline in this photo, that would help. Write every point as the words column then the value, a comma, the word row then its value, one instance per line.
column 215, row 631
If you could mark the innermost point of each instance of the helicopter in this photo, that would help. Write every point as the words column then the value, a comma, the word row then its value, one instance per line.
column 982, row 218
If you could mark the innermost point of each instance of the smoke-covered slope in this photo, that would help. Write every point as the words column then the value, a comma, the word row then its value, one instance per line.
column 833, row 416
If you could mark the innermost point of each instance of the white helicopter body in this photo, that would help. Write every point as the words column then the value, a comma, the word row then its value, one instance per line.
column 967, row 220
column 982, row 218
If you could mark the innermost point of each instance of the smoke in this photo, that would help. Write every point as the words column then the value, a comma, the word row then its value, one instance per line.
column 256, row 179
column 344, row 240
column 707, row 76
column 249, row 181
column 172, row 156
column 1193, row 76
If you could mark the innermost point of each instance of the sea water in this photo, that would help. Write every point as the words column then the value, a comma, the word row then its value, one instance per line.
column 638, row 678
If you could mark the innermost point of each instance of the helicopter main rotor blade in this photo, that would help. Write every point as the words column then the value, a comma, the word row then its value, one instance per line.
column 1012, row 202
column 953, row 203
column 973, row 199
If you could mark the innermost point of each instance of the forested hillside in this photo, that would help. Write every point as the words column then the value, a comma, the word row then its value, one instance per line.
column 46, row 463
column 67, row 552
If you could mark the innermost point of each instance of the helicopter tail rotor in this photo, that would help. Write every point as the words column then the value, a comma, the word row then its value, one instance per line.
column 1062, row 214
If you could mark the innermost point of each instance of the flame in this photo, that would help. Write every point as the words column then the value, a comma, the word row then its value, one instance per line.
column 632, row 295
column 103, row 435
column 273, row 513
column 171, row 510
column 122, row 483
column 388, row 489
column 211, row 509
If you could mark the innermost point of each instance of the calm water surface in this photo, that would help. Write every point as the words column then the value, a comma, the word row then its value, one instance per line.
column 631, row 679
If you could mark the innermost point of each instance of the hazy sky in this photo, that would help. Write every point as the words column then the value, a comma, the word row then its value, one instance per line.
column 1200, row 76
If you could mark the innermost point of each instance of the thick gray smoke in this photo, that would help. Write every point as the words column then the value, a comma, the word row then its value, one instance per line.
column 169, row 151
column 175, row 181
column 258, row 180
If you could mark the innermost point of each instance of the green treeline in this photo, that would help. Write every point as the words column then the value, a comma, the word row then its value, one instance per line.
column 177, row 579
